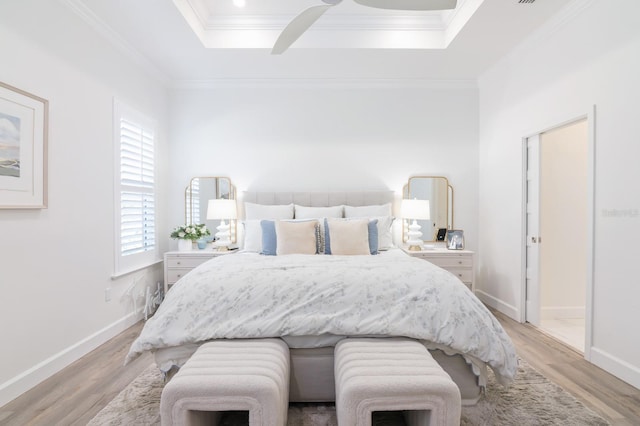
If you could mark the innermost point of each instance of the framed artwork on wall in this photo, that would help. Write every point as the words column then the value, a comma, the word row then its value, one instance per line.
column 455, row 239
column 23, row 149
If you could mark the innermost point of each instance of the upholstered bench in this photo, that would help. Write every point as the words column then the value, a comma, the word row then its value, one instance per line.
column 230, row 375
column 393, row 374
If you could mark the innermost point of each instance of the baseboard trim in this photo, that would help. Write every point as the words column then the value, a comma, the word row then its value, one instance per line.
column 619, row 368
column 562, row 312
column 507, row 309
column 21, row 383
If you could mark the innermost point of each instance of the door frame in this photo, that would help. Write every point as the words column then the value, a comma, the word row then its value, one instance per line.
column 590, row 116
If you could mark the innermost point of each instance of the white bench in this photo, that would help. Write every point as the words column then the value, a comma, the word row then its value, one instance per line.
column 230, row 375
column 393, row 374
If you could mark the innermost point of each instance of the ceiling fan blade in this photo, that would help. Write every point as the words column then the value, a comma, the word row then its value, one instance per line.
column 409, row 4
column 298, row 26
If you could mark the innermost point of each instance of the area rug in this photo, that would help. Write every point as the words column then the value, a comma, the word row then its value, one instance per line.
column 530, row 400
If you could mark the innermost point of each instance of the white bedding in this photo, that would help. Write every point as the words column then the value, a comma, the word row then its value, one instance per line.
column 248, row 295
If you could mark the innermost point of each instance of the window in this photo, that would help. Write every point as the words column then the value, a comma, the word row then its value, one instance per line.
column 135, row 195
column 192, row 194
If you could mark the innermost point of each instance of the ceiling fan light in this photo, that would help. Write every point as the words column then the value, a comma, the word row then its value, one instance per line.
column 409, row 4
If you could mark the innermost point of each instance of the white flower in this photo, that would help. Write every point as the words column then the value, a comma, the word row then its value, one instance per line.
column 181, row 234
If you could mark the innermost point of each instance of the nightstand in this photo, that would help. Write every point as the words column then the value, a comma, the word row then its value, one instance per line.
column 459, row 262
column 178, row 263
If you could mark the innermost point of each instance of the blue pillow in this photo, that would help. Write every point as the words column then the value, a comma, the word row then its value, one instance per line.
column 269, row 238
column 373, row 237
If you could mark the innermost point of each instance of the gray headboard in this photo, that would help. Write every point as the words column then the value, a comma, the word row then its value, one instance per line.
column 318, row 199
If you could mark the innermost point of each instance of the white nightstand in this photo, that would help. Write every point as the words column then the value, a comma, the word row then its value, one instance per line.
column 459, row 262
column 178, row 263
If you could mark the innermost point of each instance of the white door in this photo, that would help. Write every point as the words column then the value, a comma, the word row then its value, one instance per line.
column 532, row 308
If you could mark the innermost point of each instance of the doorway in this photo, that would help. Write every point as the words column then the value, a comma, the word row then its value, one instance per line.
column 558, row 237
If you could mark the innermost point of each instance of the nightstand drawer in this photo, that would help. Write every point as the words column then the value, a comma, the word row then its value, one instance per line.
column 459, row 262
column 175, row 274
column 465, row 275
column 177, row 264
column 450, row 261
column 185, row 262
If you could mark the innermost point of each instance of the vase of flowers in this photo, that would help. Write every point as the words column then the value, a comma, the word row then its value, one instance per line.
column 187, row 234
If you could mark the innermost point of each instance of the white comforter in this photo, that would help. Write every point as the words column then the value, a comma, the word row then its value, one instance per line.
column 249, row 295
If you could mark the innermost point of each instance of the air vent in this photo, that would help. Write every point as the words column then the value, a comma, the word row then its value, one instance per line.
column 526, row 1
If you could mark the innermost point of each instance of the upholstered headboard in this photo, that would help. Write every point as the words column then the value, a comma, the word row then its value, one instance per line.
column 318, row 199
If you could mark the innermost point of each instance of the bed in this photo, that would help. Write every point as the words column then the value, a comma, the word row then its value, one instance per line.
column 314, row 300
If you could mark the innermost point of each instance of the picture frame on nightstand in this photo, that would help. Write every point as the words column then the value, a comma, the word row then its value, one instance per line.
column 455, row 239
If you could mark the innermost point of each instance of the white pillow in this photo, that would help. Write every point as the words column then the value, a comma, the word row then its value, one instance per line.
column 296, row 237
column 304, row 212
column 349, row 237
column 385, row 234
column 368, row 211
column 262, row 211
column 252, row 236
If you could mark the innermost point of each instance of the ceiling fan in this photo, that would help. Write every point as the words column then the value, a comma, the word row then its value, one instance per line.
column 303, row 21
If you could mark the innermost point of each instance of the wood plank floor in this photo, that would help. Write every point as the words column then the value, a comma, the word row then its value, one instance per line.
column 77, row 393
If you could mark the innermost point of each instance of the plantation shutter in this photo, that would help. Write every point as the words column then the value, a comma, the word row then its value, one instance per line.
column 137, row 188
column 193, row 204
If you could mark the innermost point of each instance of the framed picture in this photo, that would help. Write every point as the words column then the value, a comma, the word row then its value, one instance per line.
column 23, row 149
column 455, row 239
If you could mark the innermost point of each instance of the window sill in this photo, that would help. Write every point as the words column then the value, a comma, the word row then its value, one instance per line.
column 121, row 274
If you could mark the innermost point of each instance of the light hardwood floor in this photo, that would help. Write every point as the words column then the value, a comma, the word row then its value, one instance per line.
column 76, row 394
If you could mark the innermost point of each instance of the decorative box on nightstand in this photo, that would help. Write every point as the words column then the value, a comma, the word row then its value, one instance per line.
column 458, row 262
column 178, row 263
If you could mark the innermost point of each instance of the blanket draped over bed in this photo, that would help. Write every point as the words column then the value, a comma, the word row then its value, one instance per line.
column 248, row 295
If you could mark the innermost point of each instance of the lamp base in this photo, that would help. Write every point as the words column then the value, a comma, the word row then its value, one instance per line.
column 414, row 248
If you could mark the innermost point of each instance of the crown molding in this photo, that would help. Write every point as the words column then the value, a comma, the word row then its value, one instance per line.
column 328, row 22
column 336, row 83
column 90, row 18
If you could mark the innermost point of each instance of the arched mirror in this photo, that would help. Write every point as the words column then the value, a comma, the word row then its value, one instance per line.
column 439, row 192
column 196, row 198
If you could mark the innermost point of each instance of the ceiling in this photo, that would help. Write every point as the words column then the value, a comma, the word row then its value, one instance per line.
column 197, row 42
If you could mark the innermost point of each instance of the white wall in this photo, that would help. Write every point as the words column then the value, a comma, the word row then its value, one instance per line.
column 563, row 221
column 56, row 263
column 584, row 58
column 322, row 137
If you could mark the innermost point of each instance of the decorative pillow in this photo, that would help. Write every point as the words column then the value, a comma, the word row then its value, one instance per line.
column 318, row 213
column 296, row 237
column 347, row 237
column 385, row 234
column 263, row 211
column 252, row 236
column 303, row 212
column 269, row 241
column 269, row 244
column 368, row 211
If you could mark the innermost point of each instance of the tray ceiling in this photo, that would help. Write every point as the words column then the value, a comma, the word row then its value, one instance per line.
column 195, row 42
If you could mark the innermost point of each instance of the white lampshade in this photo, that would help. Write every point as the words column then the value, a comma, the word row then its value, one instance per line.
column 416, row 209
column 222, row 209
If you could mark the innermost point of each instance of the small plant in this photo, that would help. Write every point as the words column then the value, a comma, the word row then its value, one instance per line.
column 190, row 232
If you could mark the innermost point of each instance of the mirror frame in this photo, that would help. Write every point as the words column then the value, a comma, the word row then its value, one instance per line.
column 188, row 198
column 405, row 194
